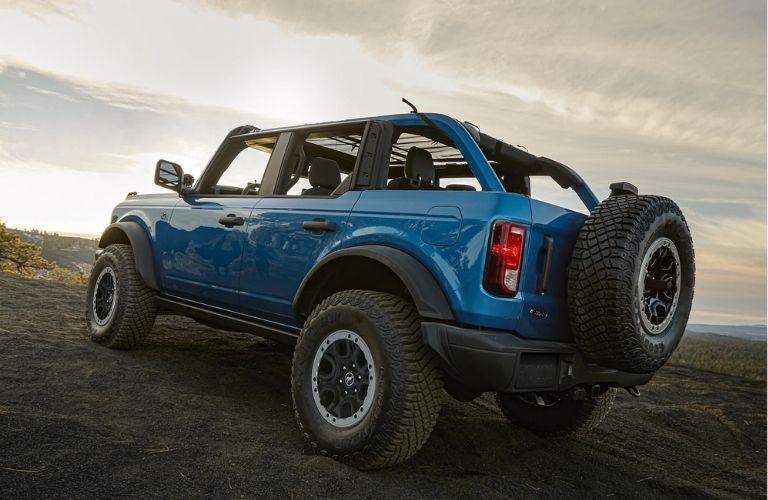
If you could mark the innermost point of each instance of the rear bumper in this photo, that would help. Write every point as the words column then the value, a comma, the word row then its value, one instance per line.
column 504, row 362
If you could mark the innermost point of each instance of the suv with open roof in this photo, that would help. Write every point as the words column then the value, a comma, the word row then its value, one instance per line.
column 404, row 255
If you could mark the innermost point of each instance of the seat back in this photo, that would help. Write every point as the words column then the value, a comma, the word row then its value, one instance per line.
column 419, row 171
column 324, row 177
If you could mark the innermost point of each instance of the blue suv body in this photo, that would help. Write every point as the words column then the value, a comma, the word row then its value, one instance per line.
column 264, row 272
column 402, row 255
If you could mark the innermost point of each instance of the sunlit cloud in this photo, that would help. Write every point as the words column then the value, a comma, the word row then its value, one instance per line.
column 37, row 8
column 684, row 71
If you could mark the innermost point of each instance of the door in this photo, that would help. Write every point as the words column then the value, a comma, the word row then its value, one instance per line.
column 303, row 220
column 202, row 257
column 204, row 240
column 286, row 236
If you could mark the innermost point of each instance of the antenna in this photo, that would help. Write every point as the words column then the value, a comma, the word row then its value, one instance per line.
column 410, row 104
column 424, row 117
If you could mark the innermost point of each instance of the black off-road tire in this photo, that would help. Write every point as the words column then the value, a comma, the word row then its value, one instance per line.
column 135, row 305
column 408, row 395
column 603, row 282
column 566, row 417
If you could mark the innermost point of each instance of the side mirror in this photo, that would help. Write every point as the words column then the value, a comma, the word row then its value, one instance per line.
column 169, row 175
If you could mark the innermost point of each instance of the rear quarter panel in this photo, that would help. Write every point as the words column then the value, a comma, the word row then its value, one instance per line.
column 423, row 224
column 413, row 221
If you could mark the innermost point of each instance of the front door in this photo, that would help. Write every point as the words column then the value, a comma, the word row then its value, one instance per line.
column 205, row 236
column 202, row 255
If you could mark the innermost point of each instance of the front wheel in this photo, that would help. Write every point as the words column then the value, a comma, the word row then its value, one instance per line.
column 366, row 389
column 120, row 309
column 555, row 415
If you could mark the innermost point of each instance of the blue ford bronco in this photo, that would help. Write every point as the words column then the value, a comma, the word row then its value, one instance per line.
column 403, row 256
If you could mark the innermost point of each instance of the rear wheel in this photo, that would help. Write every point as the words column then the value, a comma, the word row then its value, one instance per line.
column 555, row 416
column 366, row 389
column 120, row 309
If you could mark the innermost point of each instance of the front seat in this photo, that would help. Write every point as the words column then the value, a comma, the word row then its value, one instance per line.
column 324, row 176
column 419, row 171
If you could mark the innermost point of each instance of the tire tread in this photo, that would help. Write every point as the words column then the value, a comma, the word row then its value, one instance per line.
column 416, row 380
column 600, row 281
column 136, row 313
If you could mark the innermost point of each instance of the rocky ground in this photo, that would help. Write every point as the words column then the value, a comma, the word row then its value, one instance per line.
column 196, row 412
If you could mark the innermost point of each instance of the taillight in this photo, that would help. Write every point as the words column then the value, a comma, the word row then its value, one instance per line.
column 502, row 273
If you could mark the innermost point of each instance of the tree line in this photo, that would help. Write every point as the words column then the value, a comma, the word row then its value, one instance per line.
column 25, row 259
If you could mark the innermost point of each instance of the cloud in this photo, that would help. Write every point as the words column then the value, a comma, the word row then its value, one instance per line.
column 87, row 126
column 690, row 72
column 75, row 148
column 37, row 7
column 47, row 92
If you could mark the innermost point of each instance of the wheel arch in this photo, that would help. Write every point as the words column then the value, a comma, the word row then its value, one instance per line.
column 131, row 233
column 372, row 267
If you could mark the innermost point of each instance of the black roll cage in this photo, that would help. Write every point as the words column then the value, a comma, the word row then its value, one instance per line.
column 371, row 168
column 281, row 168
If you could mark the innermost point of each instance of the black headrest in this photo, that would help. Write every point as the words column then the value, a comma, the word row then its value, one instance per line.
column 419, row 165
column 324, row 172
column 517, row 183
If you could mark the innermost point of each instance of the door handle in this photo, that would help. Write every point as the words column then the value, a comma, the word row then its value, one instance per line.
column 319, row 225
column 231, row 220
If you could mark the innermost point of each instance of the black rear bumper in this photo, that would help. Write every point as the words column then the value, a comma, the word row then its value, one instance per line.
column 503, row 362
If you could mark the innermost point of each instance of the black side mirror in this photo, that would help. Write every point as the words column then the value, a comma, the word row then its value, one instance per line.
column 169, row 175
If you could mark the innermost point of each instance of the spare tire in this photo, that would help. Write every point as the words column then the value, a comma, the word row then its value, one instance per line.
column 630, row 282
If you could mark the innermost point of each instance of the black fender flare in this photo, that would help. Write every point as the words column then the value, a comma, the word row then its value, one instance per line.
column 426, row 292
column 132, row 232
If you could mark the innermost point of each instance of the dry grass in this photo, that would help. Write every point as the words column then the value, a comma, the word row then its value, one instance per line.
column 720, row 354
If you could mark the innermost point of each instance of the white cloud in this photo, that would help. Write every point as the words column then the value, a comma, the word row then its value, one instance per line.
column 48, row 92
column 685, row 71
column 39, row 8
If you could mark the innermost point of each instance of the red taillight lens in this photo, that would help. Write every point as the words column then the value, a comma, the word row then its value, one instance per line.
column 502, row 274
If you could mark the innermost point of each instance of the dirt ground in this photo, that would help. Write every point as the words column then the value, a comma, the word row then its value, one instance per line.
column 197, row 412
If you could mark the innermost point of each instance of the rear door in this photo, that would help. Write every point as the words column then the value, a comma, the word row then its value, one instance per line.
column 292, row 228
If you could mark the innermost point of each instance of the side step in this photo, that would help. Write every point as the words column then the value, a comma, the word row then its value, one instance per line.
column 225, row 321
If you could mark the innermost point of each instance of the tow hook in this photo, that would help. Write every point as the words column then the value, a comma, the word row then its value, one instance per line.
column 633, row 391
column 582, row 393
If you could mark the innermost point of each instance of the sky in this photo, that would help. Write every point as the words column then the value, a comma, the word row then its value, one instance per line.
column 669, row 95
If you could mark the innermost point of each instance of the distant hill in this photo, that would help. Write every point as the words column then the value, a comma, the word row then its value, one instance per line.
column 70, row 252
column 748, row 332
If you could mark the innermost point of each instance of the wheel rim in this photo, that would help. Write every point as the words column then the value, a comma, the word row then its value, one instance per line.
column 343, row 378
column 659, row 285
column 104, row 296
